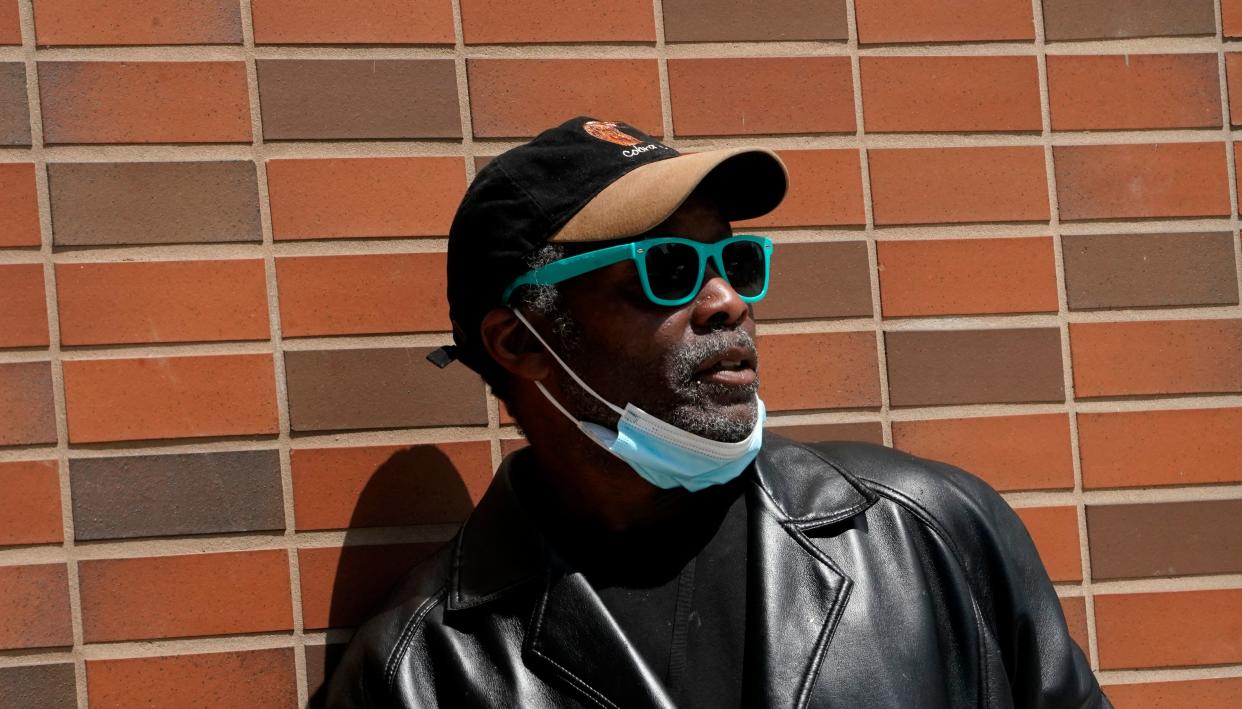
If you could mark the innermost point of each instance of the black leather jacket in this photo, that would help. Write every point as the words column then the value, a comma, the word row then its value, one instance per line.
column 876, row 580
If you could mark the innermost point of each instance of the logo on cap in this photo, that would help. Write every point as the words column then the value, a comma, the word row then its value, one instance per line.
column 607, row 130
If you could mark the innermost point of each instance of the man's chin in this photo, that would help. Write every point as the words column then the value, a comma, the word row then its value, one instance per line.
column 729, row 421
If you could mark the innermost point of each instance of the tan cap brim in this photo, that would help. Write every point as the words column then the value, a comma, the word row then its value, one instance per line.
column 748, row 182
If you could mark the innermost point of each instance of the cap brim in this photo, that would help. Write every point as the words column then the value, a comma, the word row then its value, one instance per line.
column 748, row 182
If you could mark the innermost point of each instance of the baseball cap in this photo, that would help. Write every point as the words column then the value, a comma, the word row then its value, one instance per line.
column 582, row 181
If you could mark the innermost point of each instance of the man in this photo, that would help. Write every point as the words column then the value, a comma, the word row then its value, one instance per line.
column 652, row 547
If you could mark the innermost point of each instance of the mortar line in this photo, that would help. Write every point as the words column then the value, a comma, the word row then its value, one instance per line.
column 661, row 52
column 53, row 354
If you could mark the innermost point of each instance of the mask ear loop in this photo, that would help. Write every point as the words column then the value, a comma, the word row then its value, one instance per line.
column 570, row 372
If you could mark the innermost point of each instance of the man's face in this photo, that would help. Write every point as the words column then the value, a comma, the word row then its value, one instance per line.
column 694, row 366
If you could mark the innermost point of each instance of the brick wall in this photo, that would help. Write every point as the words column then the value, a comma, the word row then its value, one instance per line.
column 1011, row 243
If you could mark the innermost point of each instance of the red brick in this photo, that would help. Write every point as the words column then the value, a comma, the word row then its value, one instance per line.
column 162, row 301
column 23, row 309
column 1148, row 448
column 1159, row 357
column 1221, row 693
column 1231, row 17
column 144, row 102
column 1055, row 532
column 341, row 295
column 91, row 22
column 170, row 397
column 342, row 587
column 967, row 277
column 761, row 95
column 27, row 411
column 1157, row 180
column 222, row 680
column 19, row 205
column 1133, row 91
column 354, row 22
column 825, row 189
column 552, row 90
column 1009, row 452
column 885, row 21
column 184, row 596
column 939, row 185
column 10, row 23
column 381, row 486
column 926, row 94
column 1169, row 629
column 34, row 607
column 30, row 503
column 1074, row 608
column 525, row 21
column 836, row 370
column 364, row 197
column 1233, row 77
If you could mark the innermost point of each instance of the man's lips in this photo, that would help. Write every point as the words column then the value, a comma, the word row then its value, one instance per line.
column 733, row 367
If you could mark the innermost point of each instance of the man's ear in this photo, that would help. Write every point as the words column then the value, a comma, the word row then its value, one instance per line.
column 512, row 346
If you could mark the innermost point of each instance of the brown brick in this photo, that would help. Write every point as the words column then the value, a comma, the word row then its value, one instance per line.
column 162, row 301
column 1233, row 78
column 1133, row 91
column 90, row 22
column 39, row 686
column 342, row 295
column 164, row 495
column 1231, row 17
column 1074, row 608
column 929, row 368
column 552, row 90
column 1169, row 629
column 527, row 21
column 1148, row 448
column 321, row 662
column 34, row 607
column 1220, row 693
column 14, row 114
column 1165, row 539
column 742, row 96
column 837, row 370
column 929, row 94
column 342, row 587
column 799, row 272
column 364, row 197
column 744, row 21
column 1114, row 19
column 967, row 276
column 144, row 102
column 19, row 205
column 29, row 503
column 1160, row 357
column 939, row 185
column 355, row 99
column 386, row 486
column 153, row 203
column 1158, row 180
column 867, row 431
column 27, row 414
column 354, row 22
column 886, row 21
column 825, row 189
column 10, row 23
column 23, row 308
column 224, row 680
column 170, row 397
column 1055, row 532
column 1149, row 270
column 1011, row 453
column 379, row 388
column 184, row 596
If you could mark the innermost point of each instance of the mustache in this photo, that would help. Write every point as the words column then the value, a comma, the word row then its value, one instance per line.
column 685, row 361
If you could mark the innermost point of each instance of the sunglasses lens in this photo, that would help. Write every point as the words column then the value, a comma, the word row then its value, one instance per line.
column 672, row 270
column 744, row 267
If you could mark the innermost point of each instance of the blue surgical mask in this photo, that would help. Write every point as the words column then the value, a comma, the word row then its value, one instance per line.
column 662, row 454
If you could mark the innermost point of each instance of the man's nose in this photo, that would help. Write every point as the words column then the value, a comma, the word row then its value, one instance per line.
column 717, row 304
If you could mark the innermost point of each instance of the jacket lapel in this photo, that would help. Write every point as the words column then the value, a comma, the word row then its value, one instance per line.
column 572, row 637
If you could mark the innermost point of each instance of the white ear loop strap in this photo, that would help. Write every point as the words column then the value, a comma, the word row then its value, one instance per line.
column 570, row 372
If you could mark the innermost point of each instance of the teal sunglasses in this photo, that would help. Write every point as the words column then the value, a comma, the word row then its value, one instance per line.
column 671, row 269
